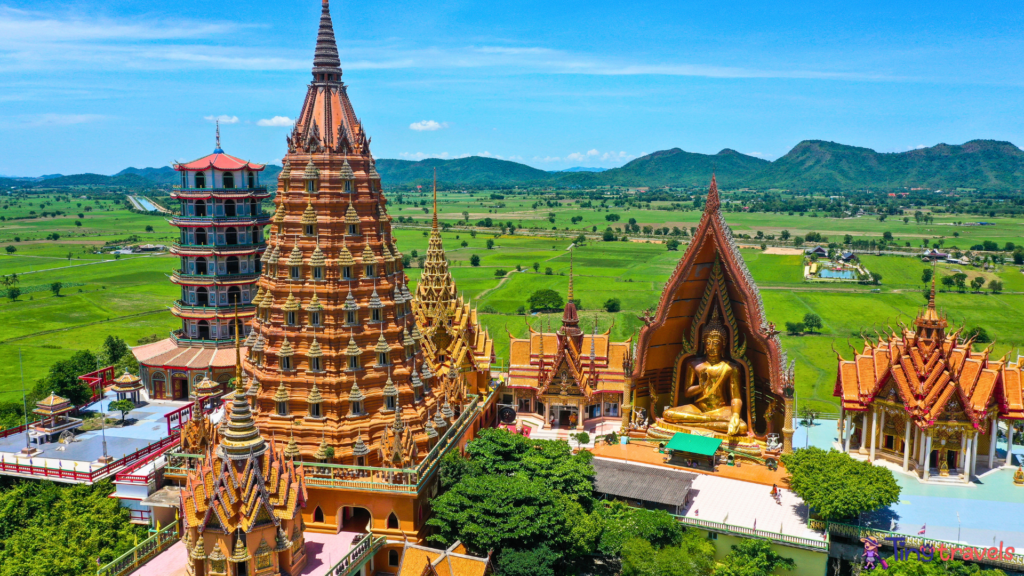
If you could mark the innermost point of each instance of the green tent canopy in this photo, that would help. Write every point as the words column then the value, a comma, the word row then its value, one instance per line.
column 703, row 445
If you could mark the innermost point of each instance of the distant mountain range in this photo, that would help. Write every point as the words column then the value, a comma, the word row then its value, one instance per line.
column 810, row 165
column 582, row 169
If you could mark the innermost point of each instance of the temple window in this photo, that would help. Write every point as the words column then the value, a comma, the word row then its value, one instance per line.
column 375, row 315
column 230, row 209
column 382, row 359
column 229, row 180
column 200, row 181
column 290, row 318
column 346, row 273
column 318, row 273
column 315, row 366
column 353, row 362
column 309, row 230
column 357, row 409
column 200, row 206
column 252, row 180
column 348, row 185
column 314, row 408
column 310, row 186
column 393, row 525
column 286, row 363
column 392, row 554
column 353, row 229
column 282, row 407
column 314, row 318
column 350, row 317
column 318, row 515
column 360, row 460
column 417, row 393
column 369, row 270
column 296, row 272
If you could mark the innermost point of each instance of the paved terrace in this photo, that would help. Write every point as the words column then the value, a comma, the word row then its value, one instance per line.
column 147, row 424
column 987, row 512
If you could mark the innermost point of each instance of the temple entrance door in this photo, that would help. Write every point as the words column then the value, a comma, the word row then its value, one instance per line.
column 354, row 519
column 952, row 458
column 179, row 389
column 563, row 417
column 243, row 569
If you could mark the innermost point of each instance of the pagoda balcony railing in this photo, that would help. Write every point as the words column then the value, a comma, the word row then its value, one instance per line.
column 178, row 189
column 179, row 338
column 184, row 246
column 358, row 555
column 744, row 532
column 249, row 219
column 179, row 276
column 229, row 309
column 366, row 478
column 143, row 552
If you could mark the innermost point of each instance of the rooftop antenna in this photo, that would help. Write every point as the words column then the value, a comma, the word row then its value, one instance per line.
column 218, row 150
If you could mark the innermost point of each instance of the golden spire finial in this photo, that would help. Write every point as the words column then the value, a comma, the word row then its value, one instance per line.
column 238, row 355
column 570, row 274
column 931, row 296
column 435, row 198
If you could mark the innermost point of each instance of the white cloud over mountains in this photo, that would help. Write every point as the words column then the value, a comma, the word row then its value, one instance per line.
column 427, row 126
column 222, row 118
column 592, row 155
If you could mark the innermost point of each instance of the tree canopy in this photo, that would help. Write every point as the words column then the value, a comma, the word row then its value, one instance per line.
column 754, row 557
column 838, row 487
column 546, row 299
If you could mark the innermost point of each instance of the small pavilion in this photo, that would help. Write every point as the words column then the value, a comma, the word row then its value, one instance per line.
column 127, row 387
column 54, row 410
column 207, row 389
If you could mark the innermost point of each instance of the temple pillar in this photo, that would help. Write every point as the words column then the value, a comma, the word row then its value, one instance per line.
column 967, row 443
column 926, row 457
column 787, row 428
column 848, row 429
column 880, row 434
column 863, row 449
column 908, row 441
column 961, row 460
column 842, row 425
column 874, row 434
column 974, row 454
column 993, row 439
column 547, row 416
column 579, row 415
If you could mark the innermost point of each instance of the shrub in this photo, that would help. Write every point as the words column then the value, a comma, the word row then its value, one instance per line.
column 612, row 305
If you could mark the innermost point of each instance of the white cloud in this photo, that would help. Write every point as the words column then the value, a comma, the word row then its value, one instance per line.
column 276, row 121
column 918, row 147
column 427, row 126
column 422, row 156
column 223, row 119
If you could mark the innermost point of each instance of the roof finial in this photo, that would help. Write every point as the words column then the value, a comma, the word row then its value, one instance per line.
column 931, row 295
column 713, row 200
column 325, row 58
column 435, row 198
column 570, row 274
column 217, row 149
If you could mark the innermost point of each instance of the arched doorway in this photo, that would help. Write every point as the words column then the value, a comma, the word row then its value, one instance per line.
column 203, row 328
column 232, row 264
column 229, row 180
column 229, row 208
column 202, row 297
column 201, row 266
column 318, row 515
column 354, row 519
column 200, row 183
column 234, row 295
column 201, row 236
column 200, row 208
column 231, row 236
column 158, row 385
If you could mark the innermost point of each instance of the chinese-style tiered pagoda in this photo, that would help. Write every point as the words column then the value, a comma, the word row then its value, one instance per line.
column 221, row 239
column 708, row 361
column 457, row 350
column 922, row 397
column 567, row 376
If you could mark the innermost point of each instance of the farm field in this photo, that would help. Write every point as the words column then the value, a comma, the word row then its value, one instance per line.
column 129, row 297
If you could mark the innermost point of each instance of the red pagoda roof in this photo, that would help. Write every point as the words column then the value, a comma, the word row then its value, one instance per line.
column 219, row 161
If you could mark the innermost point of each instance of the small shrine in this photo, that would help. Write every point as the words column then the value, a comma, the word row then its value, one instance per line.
column 127, row 387
column 567, row 376
column 708, row 362
column 54, row 410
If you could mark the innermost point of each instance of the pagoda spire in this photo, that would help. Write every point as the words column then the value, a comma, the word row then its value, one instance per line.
column 325, row 58
column 240, row 438
column 570, row 317
column 435, row 199
column 713, row 201
column 217, row 149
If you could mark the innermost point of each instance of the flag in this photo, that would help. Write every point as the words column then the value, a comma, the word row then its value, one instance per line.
column 922, row 530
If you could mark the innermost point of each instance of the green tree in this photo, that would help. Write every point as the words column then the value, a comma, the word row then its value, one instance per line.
column 123, row 406
column 960, row 279
column 784, row 235
column 948, row 282
column 611, row 217
column 540, row 561
column 490, row 244
column 977, row 282
column 672, row 244
column 795, row 327
column 812, row 322
column 980, row 335
column 581, row 438
column 612, row 305
column 13, row 292
column 753, row 557
column 114, row 348
column 995, row 286
column 798, row 241
column 55, row 288
column 474, row 260
column 838, row 487
column 548, row 271
column 536, row 266
column 149, row 228
column 62, row 378
column 545, row 299
column 926, row 275
column 608, row 236
column 11, row 249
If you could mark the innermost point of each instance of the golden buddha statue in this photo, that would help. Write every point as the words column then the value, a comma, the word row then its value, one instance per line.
column 712, row 384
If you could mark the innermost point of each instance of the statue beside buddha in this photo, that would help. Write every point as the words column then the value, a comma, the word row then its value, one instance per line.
column 711, row 384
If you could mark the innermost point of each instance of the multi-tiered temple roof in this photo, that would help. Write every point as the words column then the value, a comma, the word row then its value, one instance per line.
column 935, row 374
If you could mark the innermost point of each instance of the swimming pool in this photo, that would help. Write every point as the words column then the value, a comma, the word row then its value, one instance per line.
column 838, row 274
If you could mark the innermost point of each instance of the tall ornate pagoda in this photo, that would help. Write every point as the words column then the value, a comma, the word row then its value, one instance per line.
column 241, row 504
column 708, row 362
column 924, row 398
column 567, row 376
column 456, row 348
column 331, row 345
column 221, row 240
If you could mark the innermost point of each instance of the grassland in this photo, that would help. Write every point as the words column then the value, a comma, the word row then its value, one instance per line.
column 129, row 297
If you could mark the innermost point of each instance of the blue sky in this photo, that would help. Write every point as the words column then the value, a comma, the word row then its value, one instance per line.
column 95, row 86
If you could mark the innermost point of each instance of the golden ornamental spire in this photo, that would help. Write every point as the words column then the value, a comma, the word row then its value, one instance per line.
column 435, row 198
column 570, row 274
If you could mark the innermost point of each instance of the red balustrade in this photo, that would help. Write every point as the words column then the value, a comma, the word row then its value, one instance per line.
column 98, row 381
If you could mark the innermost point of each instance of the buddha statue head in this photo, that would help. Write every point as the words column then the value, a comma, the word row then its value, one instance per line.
column 714, row 336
